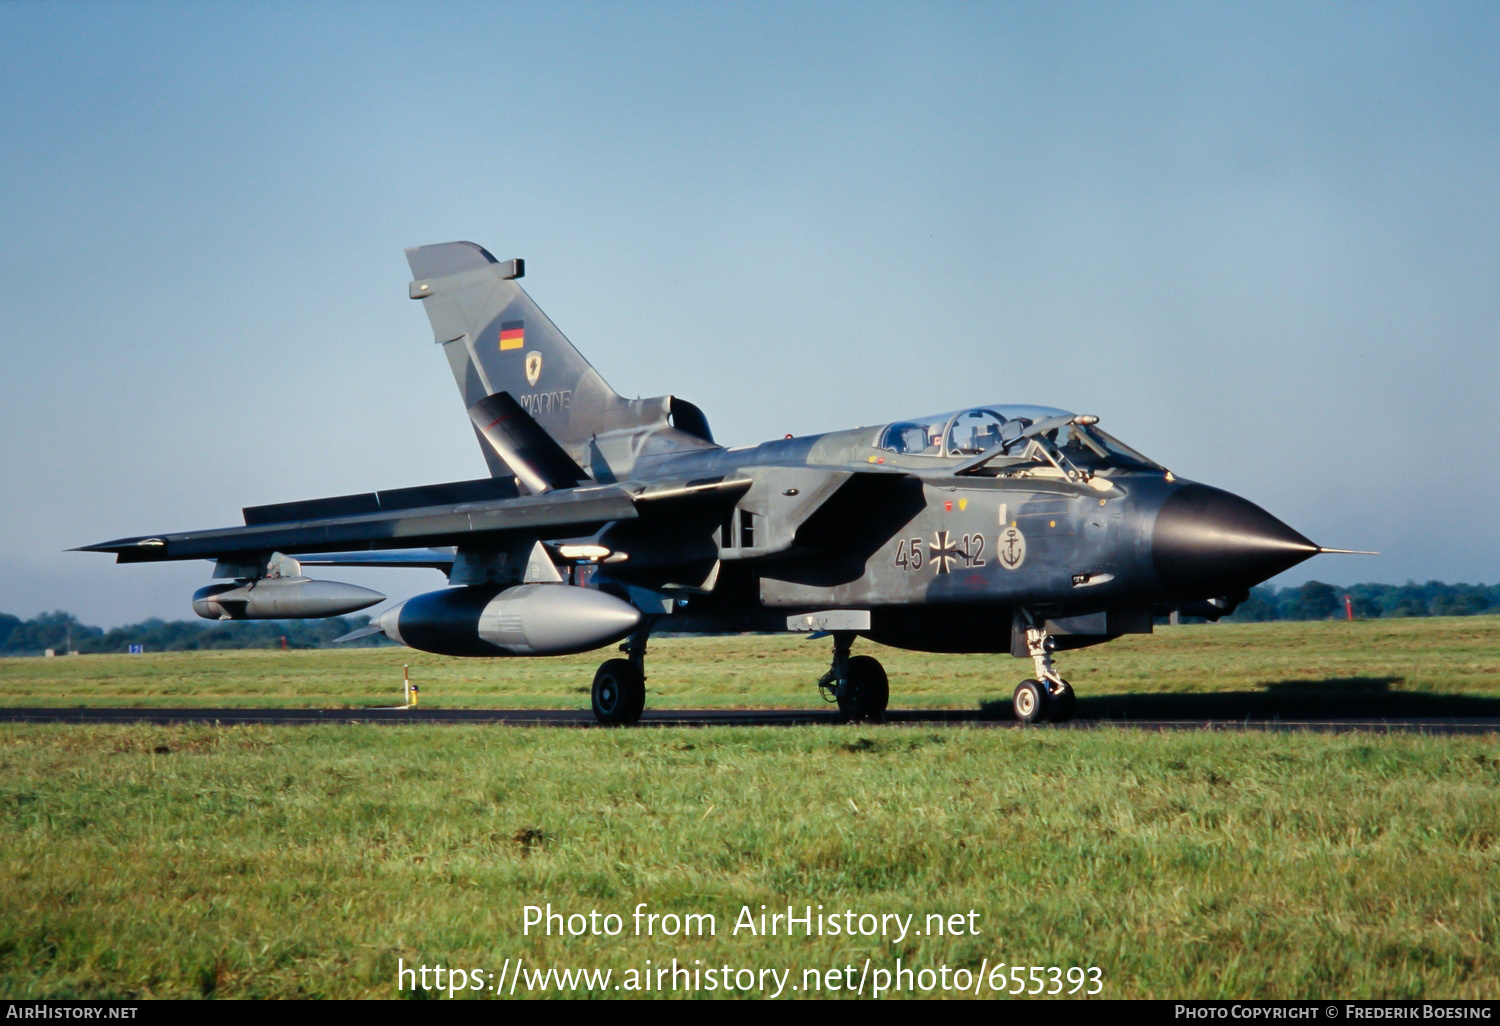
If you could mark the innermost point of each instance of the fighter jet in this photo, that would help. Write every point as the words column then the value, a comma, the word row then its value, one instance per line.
column 1001, row 528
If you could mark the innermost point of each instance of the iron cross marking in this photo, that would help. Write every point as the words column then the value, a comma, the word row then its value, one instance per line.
column 942, row 552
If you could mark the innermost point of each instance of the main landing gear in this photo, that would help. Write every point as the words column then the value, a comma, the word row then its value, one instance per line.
column 1048, row 696
column 857, row 683
column 620, row 684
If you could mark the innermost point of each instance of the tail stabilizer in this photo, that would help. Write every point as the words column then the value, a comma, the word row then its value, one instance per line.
column 498, row 340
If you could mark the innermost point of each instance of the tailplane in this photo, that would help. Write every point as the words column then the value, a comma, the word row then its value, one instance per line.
column 497, row 340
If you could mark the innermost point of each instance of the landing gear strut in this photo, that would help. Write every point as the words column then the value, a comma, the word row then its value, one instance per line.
column 857, row 683
column 1048, row 696
column 619, row 694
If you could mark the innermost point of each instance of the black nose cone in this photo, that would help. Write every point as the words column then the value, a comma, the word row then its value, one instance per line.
column 1207, row 542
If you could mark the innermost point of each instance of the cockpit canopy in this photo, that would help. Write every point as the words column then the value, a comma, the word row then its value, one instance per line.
column 1013, row 434
column 964, row 433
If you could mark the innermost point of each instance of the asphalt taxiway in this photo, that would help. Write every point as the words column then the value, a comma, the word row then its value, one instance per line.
column 724, row 718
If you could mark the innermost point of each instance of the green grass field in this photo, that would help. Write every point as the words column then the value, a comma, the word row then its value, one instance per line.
column 260, row 862
column 1442, row 666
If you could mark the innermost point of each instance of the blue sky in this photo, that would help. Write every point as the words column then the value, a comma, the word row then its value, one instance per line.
column 1259, row 240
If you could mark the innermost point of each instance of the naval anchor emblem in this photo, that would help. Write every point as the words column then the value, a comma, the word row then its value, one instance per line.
column 533, row 367
column 1012, row 547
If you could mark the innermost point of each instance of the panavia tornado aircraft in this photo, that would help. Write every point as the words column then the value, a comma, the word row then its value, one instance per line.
column 1019, row 529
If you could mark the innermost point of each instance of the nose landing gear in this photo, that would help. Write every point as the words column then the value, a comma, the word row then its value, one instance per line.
column 1048, row 696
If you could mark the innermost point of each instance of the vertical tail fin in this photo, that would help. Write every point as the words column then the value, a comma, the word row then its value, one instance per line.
column 498, row 340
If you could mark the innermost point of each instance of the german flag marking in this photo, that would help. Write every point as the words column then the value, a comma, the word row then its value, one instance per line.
column 512, row 335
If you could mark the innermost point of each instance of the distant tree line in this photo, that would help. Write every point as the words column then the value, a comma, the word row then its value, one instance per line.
column 62, row 632
column 1318, row 601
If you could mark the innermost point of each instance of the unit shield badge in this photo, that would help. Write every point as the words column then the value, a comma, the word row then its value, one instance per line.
column 533, row 367
column 1012, row 547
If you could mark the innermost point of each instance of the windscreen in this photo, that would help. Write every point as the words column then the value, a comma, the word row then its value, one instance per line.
column 1088, row 448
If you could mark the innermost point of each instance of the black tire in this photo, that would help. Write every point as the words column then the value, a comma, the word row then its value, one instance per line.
column 1029, row 703
column 866, row 691
column 619, row 693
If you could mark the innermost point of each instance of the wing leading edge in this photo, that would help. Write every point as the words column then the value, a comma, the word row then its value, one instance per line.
column 578, row 510
column 571, row 512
